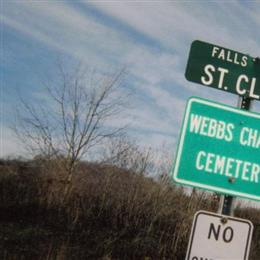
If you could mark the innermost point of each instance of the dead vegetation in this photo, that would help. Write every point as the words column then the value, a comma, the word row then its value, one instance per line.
column 110, row 213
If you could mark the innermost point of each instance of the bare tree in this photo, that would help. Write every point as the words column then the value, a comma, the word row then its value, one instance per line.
column 74, row 117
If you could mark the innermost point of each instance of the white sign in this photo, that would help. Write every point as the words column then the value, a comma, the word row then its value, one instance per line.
column 219, row 237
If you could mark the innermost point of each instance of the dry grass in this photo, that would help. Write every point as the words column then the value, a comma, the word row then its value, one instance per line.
column 109, row 214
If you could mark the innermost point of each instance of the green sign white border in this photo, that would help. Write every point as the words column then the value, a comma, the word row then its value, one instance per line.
column 174, row 172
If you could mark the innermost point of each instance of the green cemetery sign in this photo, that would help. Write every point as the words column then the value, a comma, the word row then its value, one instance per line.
column 224, row 69
column 219, row 149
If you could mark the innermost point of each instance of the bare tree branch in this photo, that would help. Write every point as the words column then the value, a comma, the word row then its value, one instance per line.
column 74, row 120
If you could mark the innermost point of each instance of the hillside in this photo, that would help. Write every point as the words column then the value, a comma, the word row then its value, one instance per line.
column 109, row 213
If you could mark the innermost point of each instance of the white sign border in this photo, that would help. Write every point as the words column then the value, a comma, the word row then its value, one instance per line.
column 208, row 213
column 182, row 138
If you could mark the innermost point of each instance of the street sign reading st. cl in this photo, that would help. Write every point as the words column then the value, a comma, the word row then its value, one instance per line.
column 224, row 69
column 219, row 149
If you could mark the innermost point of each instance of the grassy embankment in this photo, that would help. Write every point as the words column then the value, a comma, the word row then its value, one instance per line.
column 109, row 214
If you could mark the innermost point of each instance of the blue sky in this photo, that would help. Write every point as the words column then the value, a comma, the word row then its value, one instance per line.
column 151, row 38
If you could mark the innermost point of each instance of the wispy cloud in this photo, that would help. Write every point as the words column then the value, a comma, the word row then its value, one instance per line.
column 60, row 26
column 173, row 23
column 63, row 20
column 152, row 38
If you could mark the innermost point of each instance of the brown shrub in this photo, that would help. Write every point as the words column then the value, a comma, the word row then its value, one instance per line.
column 109, row 214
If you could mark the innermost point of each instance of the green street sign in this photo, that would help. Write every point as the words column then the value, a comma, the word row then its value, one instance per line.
column 224, row 69
column 219, row 149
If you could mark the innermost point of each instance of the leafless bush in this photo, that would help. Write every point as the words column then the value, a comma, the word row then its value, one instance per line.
column 125, row 153
column 109, row 213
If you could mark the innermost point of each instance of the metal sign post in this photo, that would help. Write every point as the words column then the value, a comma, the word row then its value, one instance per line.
column 227, row 202
column 215, row 149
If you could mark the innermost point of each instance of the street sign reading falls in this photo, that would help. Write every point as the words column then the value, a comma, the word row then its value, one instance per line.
column 219, row 149
column 224, row 69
